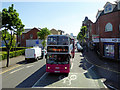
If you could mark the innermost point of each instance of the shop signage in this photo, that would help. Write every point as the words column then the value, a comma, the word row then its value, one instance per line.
column 110, row 39
column 95, row 38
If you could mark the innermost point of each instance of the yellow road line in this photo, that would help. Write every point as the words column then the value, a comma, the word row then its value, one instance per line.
column 10, row 69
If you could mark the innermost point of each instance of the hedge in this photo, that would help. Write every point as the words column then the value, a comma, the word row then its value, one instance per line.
column 13, row 54
column 12, row 49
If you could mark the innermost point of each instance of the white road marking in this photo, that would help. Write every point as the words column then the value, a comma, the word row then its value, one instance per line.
column 39, row 79
column 85, row 71
column 112, row 87
column 64, row 87
column 71, row 65
column 16, row 70
column 29, row 66
column 67, row 80
column 103, row 84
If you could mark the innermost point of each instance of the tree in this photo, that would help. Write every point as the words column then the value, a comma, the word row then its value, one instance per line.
column 44, row 32
column 82, row 34
column 11, row 26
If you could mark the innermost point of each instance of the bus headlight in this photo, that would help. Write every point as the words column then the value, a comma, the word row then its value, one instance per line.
column 48, row 67
column 65, row 67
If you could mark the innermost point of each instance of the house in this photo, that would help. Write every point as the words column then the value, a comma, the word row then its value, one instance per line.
column 88, row 23
column 29, row 38
column 106, row 31
column 56, row 32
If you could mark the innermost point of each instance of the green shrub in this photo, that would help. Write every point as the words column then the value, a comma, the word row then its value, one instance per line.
column 12, row 54
column 13, row 49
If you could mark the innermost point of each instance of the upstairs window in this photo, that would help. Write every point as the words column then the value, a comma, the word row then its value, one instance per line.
column 31, row 36
column 108, row 8
column 108, row 27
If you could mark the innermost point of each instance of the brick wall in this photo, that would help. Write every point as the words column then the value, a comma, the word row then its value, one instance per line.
column 27, row 36
column 114, row 19
column 99, row 28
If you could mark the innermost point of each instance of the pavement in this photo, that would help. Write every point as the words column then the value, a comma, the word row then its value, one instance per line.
column 105, row 68
column 107, row 64
column 12, row 62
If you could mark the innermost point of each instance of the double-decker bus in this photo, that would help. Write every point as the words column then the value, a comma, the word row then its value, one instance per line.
column 60, row 49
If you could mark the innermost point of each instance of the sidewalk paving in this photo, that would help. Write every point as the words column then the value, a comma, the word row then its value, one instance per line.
column 105, row 68
column 12, row 61
column 111, row 65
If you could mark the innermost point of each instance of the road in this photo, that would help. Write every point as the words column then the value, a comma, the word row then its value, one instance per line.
column 33, row 75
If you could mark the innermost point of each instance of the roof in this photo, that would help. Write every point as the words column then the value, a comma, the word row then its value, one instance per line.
column 27, row 30
column 114, row 9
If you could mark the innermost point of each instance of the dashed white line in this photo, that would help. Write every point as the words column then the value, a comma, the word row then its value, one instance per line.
column 29, row 66
column 16, row 70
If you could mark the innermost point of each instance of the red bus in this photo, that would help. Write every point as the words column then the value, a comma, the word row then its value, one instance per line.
column 60, row 49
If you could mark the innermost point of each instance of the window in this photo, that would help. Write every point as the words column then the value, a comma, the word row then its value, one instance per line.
column 119, row 27
column 119, row 51
column 31, row 36
column 108, row 8
column 109, row 50
column 108, row 27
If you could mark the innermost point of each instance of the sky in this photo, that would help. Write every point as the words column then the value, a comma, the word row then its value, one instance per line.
column 66, row 15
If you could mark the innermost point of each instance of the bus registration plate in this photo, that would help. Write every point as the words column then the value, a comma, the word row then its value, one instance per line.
column 57, row 71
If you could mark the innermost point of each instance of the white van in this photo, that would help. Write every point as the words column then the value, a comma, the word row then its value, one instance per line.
column 33, row 53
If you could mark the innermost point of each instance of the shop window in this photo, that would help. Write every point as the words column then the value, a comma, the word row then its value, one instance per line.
column 119, row 51
column 108, row 27
column 119, row 27
column 109, row 50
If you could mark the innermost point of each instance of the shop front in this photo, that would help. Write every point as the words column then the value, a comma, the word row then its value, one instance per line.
column 119, row 51
column 109, row 50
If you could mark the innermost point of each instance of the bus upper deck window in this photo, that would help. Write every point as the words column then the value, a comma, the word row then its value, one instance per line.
column 52, row 40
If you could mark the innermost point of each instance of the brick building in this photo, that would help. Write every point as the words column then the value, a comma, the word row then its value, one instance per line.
column 88, row 23
column 106, row 31
column 28, row 37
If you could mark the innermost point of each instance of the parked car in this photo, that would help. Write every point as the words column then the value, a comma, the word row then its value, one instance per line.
column 79, row 47
column 33, row 53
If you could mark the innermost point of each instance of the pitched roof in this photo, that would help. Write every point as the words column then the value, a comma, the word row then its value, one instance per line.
column 27, row 30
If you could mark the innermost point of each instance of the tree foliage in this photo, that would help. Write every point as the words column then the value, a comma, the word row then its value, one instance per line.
column 11, row 26
column 82, row 34
column 44, row 32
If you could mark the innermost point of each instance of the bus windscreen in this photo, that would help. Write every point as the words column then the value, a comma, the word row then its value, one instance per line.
column 57, row 59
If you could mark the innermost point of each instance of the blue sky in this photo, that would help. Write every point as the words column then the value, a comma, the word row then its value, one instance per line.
column 66, row 16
